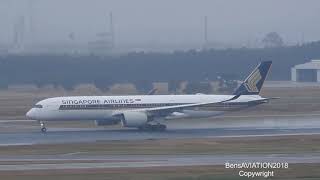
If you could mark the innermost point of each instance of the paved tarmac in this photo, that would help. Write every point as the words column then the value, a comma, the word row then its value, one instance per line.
column 244, row 126
column 134, row 161
column 92, row 135
column 238, row 127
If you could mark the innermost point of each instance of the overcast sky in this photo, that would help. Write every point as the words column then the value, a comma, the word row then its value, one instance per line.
column 164, row 21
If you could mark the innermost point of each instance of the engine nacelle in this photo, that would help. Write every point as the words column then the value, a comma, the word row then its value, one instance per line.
column 134, row 119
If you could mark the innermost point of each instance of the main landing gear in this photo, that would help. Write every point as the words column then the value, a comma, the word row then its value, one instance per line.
column 153, row 127
column 43, row 127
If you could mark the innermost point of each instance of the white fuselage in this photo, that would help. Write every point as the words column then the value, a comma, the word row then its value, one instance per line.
column 105, row 107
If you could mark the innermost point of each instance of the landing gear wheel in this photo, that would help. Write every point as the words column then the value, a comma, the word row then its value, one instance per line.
column 43, row 127
column 44, row 130
column 161, row 127
column 149, row 127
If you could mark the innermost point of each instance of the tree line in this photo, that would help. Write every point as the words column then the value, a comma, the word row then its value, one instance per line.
column 142, row 69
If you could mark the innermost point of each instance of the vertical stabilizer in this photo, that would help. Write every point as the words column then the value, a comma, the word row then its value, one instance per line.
column 254, row 82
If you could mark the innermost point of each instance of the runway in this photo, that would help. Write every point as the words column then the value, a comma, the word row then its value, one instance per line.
column 70, row 136
column 244, row 126
column 140, row 161
column 220, row 128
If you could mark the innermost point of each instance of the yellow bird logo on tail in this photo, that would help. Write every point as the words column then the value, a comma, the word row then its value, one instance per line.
column 252, row 81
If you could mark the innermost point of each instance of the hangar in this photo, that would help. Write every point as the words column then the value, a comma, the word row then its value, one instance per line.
column 307, row 72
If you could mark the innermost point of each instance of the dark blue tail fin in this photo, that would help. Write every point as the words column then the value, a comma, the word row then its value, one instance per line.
column 253, row 83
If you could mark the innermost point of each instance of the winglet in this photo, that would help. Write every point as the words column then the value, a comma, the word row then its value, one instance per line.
column 254, row 82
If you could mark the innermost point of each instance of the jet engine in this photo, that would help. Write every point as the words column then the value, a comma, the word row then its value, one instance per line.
column 134, row 119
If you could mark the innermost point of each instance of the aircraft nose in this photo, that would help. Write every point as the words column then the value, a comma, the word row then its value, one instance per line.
column 30, row 114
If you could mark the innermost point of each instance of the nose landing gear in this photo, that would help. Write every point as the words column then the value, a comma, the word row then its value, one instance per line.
column 43, row 127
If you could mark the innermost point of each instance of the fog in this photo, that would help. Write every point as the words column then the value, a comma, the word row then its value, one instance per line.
column 165, row 21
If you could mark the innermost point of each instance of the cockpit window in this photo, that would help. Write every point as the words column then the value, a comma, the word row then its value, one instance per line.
column 38, row 106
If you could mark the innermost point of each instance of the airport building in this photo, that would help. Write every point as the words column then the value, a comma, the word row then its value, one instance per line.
column 307, row 72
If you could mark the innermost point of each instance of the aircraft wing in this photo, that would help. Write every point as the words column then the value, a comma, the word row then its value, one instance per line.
column 179, row 107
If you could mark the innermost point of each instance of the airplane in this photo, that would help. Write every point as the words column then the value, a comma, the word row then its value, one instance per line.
column 148, row 112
